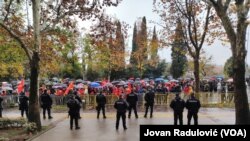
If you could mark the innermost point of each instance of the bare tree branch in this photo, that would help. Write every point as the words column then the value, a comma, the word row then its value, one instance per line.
column 8, row 11
column 19, row 40
column 205, row 27
column 180, row 8
column 195, row 28
column 61, row 16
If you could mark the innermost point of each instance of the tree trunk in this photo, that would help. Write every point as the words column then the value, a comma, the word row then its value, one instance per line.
column 34, row 112
column 196, row 74
column 240, row 94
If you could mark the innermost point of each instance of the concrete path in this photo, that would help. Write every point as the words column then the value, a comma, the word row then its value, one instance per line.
column 93, row 129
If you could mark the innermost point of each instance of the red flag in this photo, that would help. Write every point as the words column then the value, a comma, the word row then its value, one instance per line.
column 70, row 87
column 20, row 86
column 128, row 89
column 115, row 91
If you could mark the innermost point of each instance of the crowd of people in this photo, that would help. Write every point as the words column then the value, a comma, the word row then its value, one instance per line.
column 128, row 99
column 126, row 102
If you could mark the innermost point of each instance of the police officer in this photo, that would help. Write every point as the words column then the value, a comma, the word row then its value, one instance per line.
column 46, row 103
column 101, row 101
column 149, row 98
column 78, row 98
column 132, row 99
column 73, row 106
column 23, row 104
column 1, row 106
column 121, row 106
column 193, row 105
column 178, row 105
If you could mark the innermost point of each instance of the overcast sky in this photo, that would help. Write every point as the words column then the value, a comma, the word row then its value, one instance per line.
column 130, row 10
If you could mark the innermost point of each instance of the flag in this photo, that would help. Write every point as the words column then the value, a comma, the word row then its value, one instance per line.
column 115, row 91
column 70, row 87
column 128, row 89
column 20, row 86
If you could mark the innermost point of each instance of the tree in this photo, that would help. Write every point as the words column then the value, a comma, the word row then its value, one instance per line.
column 206, row 67
column 47, row 15
column 120, row 45
column 195, row 16
column 236, row 29
column 139, row 55
column 108, row 39
column 153, row 50
column 12, row 58
column 179, row 51
column 134, row 46
column 156, row 71
column 143, row 38
column 228, row 67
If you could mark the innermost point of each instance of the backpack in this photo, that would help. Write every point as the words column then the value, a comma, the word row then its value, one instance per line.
column 71, row 103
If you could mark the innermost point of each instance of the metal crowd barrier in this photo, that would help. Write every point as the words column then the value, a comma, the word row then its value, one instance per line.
column 160, row 99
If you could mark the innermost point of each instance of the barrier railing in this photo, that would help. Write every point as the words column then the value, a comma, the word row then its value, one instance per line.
column 160, row 99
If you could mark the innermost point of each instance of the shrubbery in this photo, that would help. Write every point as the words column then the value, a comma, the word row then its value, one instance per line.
column 30, row 127
column 12, row 123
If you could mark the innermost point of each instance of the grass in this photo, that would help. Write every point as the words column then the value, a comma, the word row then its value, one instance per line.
column 218, row 105
column 17, row 134
column 60, row 108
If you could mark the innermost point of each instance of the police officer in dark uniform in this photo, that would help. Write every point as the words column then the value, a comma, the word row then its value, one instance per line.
column 132, row 99
column 121, row 106
column 149, row 98
column 1, row 106
column 101, row 101
column 46, row 103
column 23, row 104
column 193, row 105
column 178, row 105
column 78, row 98
column 73, row 106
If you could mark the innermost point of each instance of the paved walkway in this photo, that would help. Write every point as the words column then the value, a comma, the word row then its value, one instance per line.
column 104, row 129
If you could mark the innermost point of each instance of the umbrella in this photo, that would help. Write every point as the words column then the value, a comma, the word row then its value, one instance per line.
column 115, row 82
column 121, row 83
column 131, row 81
column 7, row 88
column 79, row 86
column 165, row 80
column 79, row 81
column 108, row 85
column 173, row 80
column 159, row 79
column 94, row 84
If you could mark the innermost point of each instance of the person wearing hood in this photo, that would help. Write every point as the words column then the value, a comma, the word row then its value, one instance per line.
column 178, row 106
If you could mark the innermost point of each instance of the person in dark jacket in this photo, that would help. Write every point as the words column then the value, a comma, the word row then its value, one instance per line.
column 1, row 106
column 149, row 98
column 73, row 106
column 78, row 98
column 101, row 101
column 193, row 105
column 121, row 106
column 23, row 104
column 178, row 105
column 132, row 99
column 46, row 104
